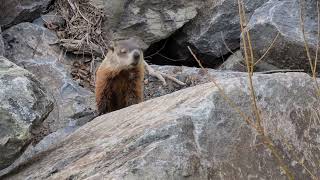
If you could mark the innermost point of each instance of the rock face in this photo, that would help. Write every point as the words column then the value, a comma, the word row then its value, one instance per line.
column 24, row 103
column 236, row 62
column 194, row 134
column 283, row 17
column 15, row 11
column 149, row 20
column 215, row 30
column 30, row 46
column 1, row 44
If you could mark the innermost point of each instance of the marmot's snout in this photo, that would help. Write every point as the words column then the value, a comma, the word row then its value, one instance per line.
column 136, row 57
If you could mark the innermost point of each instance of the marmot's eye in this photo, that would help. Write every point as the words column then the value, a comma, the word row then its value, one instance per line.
column 123, row 50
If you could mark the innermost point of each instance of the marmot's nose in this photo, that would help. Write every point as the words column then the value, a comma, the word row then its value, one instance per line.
column 136, row 55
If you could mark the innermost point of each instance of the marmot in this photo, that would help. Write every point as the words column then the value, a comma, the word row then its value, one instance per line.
column 119, row 78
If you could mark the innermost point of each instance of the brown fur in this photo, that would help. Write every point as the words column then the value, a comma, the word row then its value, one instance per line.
column 118, row 87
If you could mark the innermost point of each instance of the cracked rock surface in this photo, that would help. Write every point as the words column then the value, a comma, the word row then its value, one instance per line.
column 24, row 104
column 32, row 47
column 17, row 11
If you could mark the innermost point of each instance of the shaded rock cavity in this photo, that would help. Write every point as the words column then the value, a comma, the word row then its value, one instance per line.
column 169, row 52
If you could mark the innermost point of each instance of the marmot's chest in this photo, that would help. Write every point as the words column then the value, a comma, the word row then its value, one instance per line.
column 121, row 87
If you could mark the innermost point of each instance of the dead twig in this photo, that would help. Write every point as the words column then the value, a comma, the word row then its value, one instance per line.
column 249, row 58
column 160, row 75
column 72, row 5
column 83, row 26
column 75, row 46
column 82, row 14
column 173, row 79
column 313, row 65
column 271, row 45
column 280, row 71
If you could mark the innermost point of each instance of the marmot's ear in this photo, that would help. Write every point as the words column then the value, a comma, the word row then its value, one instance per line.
column 111, row 46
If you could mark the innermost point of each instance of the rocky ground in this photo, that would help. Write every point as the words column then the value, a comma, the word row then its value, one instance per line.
column 205, row 129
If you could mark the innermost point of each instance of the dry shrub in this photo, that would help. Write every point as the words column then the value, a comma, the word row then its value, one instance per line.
column 83, row 32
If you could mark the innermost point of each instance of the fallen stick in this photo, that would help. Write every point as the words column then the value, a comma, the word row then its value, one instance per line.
column 279, row 71
column 160, row 75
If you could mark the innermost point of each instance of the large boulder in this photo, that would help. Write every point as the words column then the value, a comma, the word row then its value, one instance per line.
column 149, row 20
column 32, row 47
column 24, row 103
column 15, row 11
column 283, row 17
column 215, row 31
column 194, row 134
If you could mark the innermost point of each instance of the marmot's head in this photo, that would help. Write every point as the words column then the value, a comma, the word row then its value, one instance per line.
column 126, row 53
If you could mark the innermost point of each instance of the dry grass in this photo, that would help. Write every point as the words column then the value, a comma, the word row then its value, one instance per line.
column 312, row 62
column 83, row 33
column 250, row 62
column 257, row 123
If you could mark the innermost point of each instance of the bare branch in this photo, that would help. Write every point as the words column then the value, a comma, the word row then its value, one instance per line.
column 161, row 75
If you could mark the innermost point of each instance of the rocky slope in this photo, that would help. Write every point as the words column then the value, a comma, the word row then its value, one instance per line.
column 25, row 103
column 194, row 134
column 48, row 102
column 32, row 47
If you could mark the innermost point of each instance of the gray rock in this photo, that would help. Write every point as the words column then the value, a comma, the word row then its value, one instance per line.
column 263, row 66
column 51, row 20
column 24, row 103
column 236, row 62
column 216, row 30
column 16, row 11
column 44, row 145
column 283, row 17
column 1, row 44
column 151, row 21
column 31, row 47
column 194, row 134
